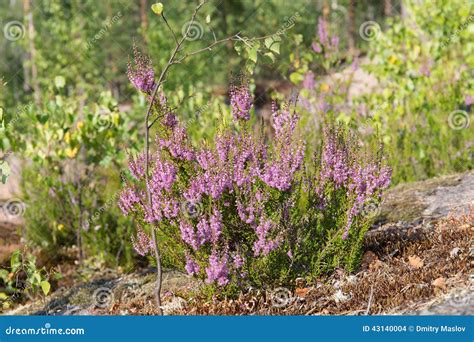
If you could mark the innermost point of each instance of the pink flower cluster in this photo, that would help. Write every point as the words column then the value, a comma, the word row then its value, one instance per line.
column 241, row 101
column 324, row 43
column 341, row 168
column 141, row 74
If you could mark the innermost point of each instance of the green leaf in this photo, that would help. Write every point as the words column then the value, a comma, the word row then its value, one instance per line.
column 157, row 8
column 272, row 44
column 250, row 67
column 268, row 42
column 42, row 118
column 3, row 274
column 59, row 82
column 298, row 39
column 275, row 47
column 15, row 260
column 57, row 276
column 45, row 286
column 238, row 48
column 270, row 56
column 253, row 54
column 296, row 78
column 37, row 277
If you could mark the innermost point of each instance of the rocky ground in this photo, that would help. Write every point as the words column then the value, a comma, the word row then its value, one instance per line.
column 418, row 260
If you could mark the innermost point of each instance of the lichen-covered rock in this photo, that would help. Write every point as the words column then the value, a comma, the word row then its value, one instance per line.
column 410, row 210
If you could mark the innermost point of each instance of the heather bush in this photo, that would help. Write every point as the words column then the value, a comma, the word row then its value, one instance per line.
column 244, row 209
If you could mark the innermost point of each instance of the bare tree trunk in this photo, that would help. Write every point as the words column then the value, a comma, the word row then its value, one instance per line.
column 403, row 11
column 80, row 224
column 387, row 8
column 144, row 17
column 351, row 27
column 326, row 10
column 26, row 73
column 32, row 52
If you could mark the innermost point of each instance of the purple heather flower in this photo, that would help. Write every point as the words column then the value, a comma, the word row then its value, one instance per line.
column 263, row 246
column 238, row 261
column 317, row 47
column 203, row 231
column 191, row 266
column 162, row 207
column 247, row 213
column 335, row 161
column 141, row 74
column 217, row 270
column 215, row 223
column 137, row 166
column 323, row 31
column 246, row 154
column 128, row 199
column 355, row 64
column 223, row 144
column 142, row 243
column 188, row 235
column 196, row 188
column 308, row 81
column 469, row 100
column 334, row 42
column 206, row 159
column 241, row 101
column 170, row 120
column 177, row 144
column 366, row 182
column 290, row 254
column 163, row 176
column 280, row 171
column 425, row 69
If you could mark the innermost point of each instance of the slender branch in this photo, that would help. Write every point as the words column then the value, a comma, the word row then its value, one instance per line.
column 234, row 37
column 161, row 79
column 207, row 48
column 169, row 28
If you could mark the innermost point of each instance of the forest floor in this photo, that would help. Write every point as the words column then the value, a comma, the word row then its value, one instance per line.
column 418, row 259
